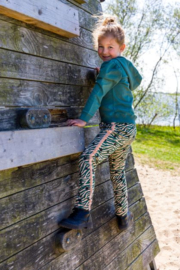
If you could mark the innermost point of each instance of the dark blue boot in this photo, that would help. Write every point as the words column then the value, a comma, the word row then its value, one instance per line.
column 79, row 219
column 125, row 221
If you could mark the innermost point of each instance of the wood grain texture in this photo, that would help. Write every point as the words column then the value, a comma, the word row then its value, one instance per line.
column 146, row 257
column 26, row 203
column 15, row 238
column 18, row 179
column 133, row 251
column 21, row 66
column 129, row 162
column 86, row 21
column 119, row 253
column 55, row 16
column 108, row 234
column 22, row 178
column 39, row 145
column 27, row 41
column 92, row 6
column 9, row 118
column 84, row 40
column 43, row 251
column 33, row 94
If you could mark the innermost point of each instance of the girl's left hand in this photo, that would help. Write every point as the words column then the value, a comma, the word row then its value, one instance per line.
column 76, row 122
column 97, row 70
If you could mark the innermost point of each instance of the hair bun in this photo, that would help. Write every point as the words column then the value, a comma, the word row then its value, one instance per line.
column 109, row 20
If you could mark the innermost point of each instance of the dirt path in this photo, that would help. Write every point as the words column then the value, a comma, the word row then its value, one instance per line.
column 162, row 193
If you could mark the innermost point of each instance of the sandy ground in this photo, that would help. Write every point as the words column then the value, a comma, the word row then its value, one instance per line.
column 162, row 193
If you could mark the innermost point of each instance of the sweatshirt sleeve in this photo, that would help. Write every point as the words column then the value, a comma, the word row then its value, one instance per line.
column 108, row 77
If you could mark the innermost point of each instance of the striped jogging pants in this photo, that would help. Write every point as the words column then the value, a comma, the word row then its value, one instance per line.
column 113, row 142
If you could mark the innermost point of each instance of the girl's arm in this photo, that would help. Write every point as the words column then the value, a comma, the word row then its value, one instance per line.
column 109, row 75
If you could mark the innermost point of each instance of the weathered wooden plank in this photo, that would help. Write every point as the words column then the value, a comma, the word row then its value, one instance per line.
column 15, row 238
column 9, row 118
column 22, row 147
column 84, row 17
column 108, row 234
column 30, row 93
column 92, row 6
column 85, row 12
column 90, row 133
column 42, row 252
column 84, row 39
column 29, row 202
column 21, row 66
column 129, row 162
column 133, row 251
column 117, row 254
column 55, row 16
column 147, row 256
column 18, row 179
column 25, row 40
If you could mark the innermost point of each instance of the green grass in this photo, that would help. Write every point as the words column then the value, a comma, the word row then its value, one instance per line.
column 158, row 145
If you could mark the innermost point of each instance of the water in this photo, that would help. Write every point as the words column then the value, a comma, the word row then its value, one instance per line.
column 169, row 100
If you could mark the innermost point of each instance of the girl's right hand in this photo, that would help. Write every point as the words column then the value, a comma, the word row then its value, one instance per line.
column 76, row 122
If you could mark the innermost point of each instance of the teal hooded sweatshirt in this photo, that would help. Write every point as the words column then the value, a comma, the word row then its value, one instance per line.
column 112, row 93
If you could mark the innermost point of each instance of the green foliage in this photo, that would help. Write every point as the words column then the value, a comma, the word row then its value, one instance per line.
column 155, row 106
column 140, row 23
column 158, row 143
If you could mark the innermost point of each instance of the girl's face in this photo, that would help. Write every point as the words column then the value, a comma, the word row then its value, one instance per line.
column 108, row 48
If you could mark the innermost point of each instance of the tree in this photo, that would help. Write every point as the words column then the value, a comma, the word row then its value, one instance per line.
column 155, row 106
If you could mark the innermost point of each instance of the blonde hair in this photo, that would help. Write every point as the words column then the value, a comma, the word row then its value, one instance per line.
column 108, row 25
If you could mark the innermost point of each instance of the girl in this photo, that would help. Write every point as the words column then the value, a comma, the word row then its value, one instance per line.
column 112, row 95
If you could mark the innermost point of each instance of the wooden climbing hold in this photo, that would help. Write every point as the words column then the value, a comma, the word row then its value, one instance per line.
column 67, row 239
column 34, row 118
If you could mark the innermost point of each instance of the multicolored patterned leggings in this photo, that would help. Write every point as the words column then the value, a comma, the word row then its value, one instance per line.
column 113, row 142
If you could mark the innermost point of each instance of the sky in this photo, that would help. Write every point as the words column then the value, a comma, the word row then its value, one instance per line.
column 151, row 57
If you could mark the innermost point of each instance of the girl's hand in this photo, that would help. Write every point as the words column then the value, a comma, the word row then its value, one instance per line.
column 76, row 122
column 97, row 70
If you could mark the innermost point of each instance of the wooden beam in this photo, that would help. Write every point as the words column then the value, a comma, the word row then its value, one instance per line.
column 51, row 15
column 22, row 147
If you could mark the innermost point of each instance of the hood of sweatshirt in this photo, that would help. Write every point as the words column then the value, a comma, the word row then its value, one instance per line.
column 133, row 74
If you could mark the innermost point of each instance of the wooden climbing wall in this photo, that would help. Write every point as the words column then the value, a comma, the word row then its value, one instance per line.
column 42, row 69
